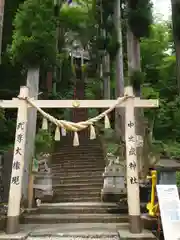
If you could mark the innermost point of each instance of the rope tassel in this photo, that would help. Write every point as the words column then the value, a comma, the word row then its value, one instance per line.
column 92, row 133
column 57, row 136
column 63, row 132
column 45, row 124
column 76, row 139
column 107, row 122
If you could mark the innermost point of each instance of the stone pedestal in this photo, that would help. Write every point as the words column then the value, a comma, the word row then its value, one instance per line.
column 114, row 183
column 124, row 234
column 43, row 179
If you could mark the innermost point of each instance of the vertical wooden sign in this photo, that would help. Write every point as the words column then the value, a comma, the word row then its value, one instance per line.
column 132, row 166
column 17, row 165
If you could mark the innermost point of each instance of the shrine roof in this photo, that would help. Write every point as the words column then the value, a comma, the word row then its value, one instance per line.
column 168, row 164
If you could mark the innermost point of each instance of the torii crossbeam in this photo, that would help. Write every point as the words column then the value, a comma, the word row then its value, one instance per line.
column 20, row 139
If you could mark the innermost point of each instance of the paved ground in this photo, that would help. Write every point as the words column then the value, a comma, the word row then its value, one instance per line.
column 77, row 231
column 75, row 238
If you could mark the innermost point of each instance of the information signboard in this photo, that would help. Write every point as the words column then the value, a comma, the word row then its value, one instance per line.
column 169, row 205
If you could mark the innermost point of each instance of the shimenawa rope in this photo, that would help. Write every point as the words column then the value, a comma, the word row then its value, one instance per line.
column 75, row 127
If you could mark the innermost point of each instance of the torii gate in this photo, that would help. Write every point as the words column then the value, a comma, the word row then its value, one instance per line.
column 131, row 159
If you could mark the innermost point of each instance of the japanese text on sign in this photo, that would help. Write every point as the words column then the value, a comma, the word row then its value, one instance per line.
column 133, row 180
column 20, row 126
column 16, row 165
column 130, row 124
column 132, row 165
column 131, row 139
column 15, row 180
column 132, row 151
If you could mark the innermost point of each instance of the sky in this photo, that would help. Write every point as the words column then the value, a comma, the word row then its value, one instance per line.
column 162, row 7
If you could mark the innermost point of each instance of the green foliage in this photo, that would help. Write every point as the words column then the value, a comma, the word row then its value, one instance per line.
column 34, row 43
column 34, row 34
column 112, row 148
column 7, row 130
column 137, row 79
column 106, row 34
column 140, row 18
column 159, row 65
column 73, row 18
column 171, row 149
column 178, row 179
column 43, row 142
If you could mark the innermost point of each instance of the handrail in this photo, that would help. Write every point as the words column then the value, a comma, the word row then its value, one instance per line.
column 152, row 206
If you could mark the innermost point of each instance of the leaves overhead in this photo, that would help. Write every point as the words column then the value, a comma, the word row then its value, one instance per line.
column 34, row 34
column 139, row 14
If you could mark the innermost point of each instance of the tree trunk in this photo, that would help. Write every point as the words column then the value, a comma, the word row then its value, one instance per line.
column 49, row 82
column 119, row 113
column 2, row 4
column 177, row 48
column 176, row 42
column 134, row 64
column 106, row 77
column 33, row 84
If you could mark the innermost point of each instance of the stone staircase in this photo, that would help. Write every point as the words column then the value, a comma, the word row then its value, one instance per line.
column 77, row 182
column 76, row 210
column 77, row 172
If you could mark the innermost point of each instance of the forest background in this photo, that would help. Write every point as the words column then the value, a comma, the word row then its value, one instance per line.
column 29, row 37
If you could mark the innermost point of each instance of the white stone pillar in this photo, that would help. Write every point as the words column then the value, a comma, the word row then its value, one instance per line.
column 132, row 166
column 17, row 165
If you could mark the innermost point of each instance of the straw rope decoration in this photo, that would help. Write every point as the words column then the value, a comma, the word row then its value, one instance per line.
column 76, row 127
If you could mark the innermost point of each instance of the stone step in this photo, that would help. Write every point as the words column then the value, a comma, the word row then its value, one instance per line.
column 92, row 151
column 73, row 167
column 92, row 172
column 79, row 186
column 76, row 231
column 70, row 175
column 85, row 231
column 85, row 162
column 77, row 180
column 81, row 149
column 76, row 168
column 80, row 174
column 74, row 218
column 58, row 198
column 85, row 142
column 73, row 164
column 79, row 210
column 78, row 155
column 76, row 236
column 79, row 160
column 79, row 169
column 72, row 237
column 81, row 154
column 75, row 193
column 90, row 207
